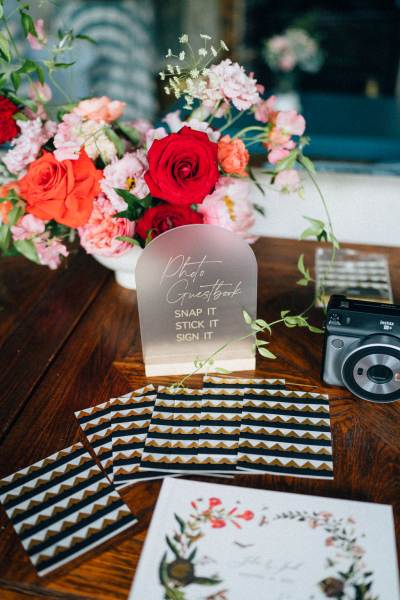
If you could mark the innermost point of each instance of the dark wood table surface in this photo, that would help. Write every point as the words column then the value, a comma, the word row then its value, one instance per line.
column 70, row 339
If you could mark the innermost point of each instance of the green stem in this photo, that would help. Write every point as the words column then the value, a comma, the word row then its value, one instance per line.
column 59, row 87
column 231, row 121
column 250, row 128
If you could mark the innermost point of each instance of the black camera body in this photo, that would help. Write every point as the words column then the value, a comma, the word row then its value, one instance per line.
column 362, row 348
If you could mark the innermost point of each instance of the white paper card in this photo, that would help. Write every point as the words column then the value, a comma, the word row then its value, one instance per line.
column 231, row 543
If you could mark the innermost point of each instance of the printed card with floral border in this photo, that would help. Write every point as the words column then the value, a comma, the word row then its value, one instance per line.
column 217, row 542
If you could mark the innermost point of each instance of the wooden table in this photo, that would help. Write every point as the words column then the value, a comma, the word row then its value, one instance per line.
column 70, row 339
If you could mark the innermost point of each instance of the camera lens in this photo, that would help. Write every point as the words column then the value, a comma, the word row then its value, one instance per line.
column 370, row 367
column 380, row 374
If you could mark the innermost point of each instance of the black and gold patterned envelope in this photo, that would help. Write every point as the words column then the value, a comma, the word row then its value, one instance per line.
column 95, row 422
column 287, row 433
column 172, row 439
column 63, row 506
column 240, row 383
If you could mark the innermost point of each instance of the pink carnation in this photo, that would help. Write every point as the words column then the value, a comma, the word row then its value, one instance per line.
column 39, row 92
column 102, row 110
column 73, row 133
column 174, row 122
column 37, row 43
column 287, row 181
column 50, row 252
column 26, row 147
column 99, row 235
column 126, row 173
column 155, row 134
column 229, row 206
column 27, row 228
column 228, row 82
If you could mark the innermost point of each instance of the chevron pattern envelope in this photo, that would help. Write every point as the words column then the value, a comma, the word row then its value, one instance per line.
column 95, row 422
column 129, row 422
column 63, row 506
column 286, row 432
column 240, row 383
column 172, row 440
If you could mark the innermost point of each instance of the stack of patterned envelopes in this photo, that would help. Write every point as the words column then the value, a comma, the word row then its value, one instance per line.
column 230, row 426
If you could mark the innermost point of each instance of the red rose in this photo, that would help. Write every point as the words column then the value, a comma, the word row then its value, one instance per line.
column 164, row 217
column 8, row 127
column 183, row 167
column 61, row 190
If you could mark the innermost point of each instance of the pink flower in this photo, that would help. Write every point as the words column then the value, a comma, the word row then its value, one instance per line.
column 126, row 173
column 39, row 92
column 278, row 43
column 175, row 124
column 155, row 134
column 227, row 82
column 26, row 147
column 287, row 181
column 99, row 235
column 37, row 43
column 279, row 145
column 229, row 206
column 27, row 228
column 73, row 133
column 264, row 111
column 291, row 122
column 102, row 110
column 50, row 252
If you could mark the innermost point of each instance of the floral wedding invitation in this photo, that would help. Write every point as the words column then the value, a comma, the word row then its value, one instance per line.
column 216, row 542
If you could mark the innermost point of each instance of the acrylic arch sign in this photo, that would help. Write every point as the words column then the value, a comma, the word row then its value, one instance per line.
column 193, row 283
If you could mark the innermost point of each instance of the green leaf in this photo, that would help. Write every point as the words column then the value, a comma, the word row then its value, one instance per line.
column 222, row 371
column 5, row 48
column 258, row 208
column 27, row 24
column 261, row 343
column 181, row 523
column 14, row 215
column 172, row 546
column 129, row 240
column 315, row 329
column 130, row 132
column 206, row 580
column 284, row 313
column 86, row 38
column 28, row 66
column 192, row 554
column 21, row 102
column 247, row 317
column 27, row 249
column 263, row 324
column 5, row 237
column 254, row 179
column 63, row 65
column 116, row 140
column 162, row 571
column 40, row 74
column 15, row 80
column 266, row 353
column 303, row 282
column 307, row 163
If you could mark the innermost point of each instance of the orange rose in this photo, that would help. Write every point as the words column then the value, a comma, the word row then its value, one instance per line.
column 63, row 191
column 233, row 156
column 6, row 206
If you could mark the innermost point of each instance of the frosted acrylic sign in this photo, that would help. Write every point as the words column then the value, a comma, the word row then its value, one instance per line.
column 193, row 283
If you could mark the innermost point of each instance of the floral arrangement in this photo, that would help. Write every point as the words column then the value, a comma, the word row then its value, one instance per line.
column 81, row 169
column 293, row 49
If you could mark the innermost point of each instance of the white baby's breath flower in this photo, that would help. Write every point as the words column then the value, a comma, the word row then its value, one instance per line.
column 184, row 38
column 162, row 75
column 204, row 36
column 213, row 51
column 223, row 45
column 182, row 55
column 167, row 90
column 194, row 73
column 202, row 52
column 170, row 69
column 169, row 53
column 178, row 69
